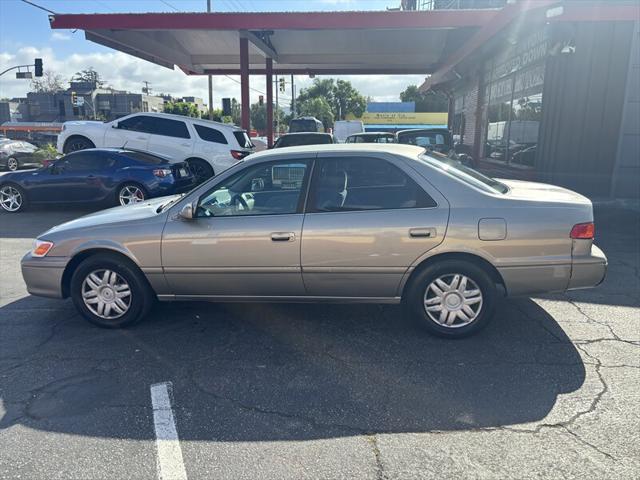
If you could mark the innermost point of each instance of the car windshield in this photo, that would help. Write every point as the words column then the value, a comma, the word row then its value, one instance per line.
column 464, row 173
column 295, row 140
column 243, row 139
column 434, row 139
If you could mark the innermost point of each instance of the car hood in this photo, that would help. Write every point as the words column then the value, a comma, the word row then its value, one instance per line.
column 74, row 123
column 130, row 213
column 543, row 192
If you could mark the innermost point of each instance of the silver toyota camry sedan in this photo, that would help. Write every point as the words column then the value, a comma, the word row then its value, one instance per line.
column 367, row 223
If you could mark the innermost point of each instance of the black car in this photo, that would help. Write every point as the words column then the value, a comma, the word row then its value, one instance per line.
column 435, row 139
column 15, row 154
column 105, row 175
column 371, row 137
column 303, row 138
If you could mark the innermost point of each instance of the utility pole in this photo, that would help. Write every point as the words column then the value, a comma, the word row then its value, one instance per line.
column 146, row 88
column 293, row 98
column 276, row 112
column 209, row 77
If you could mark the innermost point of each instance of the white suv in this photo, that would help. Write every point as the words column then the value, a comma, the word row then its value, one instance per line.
column 209, row 147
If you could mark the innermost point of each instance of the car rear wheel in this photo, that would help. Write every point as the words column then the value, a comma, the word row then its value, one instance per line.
column 110, row 291
column 77, row 143
column 12, row 164
column 201, row 170
column 12, row 198
column 130, row 193
column 452, row 298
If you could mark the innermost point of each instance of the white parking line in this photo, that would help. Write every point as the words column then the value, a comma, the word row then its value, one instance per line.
column 170, row 462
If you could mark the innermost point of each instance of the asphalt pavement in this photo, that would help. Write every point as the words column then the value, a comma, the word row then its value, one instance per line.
column 550, row 389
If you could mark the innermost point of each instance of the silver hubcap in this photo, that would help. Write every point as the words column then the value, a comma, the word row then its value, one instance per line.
column 106, row 294
column 453, row 300
column 12, row 163
column 10, row 199
column 131, row 194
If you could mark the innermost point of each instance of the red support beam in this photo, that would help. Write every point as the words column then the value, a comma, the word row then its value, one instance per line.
column 269, row 79
column 244, row 82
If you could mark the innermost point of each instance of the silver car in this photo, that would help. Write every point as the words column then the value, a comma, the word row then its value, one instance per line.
column 348, row 223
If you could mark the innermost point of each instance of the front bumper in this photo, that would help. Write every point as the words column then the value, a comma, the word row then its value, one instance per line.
column 43, row 276
column 588, row 270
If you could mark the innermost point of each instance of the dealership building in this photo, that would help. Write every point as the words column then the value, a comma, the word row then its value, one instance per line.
column 557, row 101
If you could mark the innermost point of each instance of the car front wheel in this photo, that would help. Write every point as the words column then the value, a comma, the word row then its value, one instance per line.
column 452, row 298
column 12, row 198
column 110, row 291
column 77, row 143
column 12, row 164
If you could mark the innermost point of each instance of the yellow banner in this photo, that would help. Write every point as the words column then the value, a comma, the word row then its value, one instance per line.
column 402, row 118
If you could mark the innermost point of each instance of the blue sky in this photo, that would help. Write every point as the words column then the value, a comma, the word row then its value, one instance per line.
column 25, row 33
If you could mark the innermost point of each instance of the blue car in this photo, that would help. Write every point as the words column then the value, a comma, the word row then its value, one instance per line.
column 101, row 175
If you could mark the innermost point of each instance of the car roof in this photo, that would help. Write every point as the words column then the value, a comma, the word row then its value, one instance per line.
column 202, row 121
column 364, row 134
column 393, row 148
column 418, row 130
column 303, row 133
column 121, row 151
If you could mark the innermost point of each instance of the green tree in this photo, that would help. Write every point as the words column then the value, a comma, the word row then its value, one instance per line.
column 182, row 108
column 317, row 107
column 259, row 116
column 343, row 99
column 425, row 102
column 88, row 75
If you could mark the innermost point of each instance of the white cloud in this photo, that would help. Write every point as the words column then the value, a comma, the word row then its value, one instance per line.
column 60, row 36
column 124, row 72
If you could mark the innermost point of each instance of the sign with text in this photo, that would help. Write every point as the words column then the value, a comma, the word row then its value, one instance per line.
column 404, row 118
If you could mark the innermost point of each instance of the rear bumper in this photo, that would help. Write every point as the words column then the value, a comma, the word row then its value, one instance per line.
column 43, row 276
column 588, row 270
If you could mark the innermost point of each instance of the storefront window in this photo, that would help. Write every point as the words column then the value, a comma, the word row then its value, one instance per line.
column 514, row 102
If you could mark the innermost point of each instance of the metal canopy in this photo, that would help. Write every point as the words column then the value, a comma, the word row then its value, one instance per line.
column 299, row 43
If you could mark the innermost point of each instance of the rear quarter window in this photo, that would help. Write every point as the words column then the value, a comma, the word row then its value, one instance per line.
column 211, row 135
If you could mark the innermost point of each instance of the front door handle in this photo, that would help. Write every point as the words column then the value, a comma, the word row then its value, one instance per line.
column 428, row 232
column 283, row 236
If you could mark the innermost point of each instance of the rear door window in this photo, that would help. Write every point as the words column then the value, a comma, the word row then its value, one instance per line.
column 355, row 184
column 169, row 128
column 210, row 134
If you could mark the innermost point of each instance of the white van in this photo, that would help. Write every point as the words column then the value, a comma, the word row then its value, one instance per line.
column 343, row 128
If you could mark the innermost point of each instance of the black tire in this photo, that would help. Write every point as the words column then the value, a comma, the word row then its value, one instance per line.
column 24, row 202
column 417, row 293
column 131, row 186
column 77, row 142
column 13, row 164
column 141, row 298
column 200, row 169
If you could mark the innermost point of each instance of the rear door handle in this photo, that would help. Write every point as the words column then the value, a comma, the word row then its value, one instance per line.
column 422, row 232
column 283, row 236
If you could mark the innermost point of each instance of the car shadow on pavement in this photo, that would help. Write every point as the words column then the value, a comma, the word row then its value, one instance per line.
column 269, row 372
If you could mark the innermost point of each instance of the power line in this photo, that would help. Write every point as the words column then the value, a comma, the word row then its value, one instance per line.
column 169, row 5
column 38, row 6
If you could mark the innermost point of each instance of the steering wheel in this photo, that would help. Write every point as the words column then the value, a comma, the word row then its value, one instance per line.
column 240, row 203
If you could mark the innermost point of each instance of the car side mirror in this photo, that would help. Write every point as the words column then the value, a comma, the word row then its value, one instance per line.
column 115, row 125
column 187, row 212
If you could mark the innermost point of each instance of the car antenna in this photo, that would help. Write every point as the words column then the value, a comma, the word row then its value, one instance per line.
column 125, row 144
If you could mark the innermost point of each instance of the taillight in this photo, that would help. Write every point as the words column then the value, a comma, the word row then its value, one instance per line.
column 162, row 172
column 41, row 248
column 585, row 231
column 238, row 154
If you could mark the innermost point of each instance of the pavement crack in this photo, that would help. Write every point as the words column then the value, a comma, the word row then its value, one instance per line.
column 380, row 472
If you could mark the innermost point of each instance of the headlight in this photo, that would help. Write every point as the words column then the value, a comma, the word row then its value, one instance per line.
column 41, row 248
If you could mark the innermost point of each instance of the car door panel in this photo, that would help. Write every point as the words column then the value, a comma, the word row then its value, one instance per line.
column 129, row 132
column 365, row 247
column 233, row 256
column 237, row 246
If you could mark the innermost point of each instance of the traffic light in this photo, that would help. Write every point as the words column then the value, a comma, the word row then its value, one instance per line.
column 38, row 67
column 74, row 99
column 282, row 85
column 226, row 107
column 261, row 100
